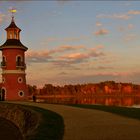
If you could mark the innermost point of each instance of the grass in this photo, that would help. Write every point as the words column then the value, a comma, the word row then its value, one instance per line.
column 122, row 111
column 51, row 126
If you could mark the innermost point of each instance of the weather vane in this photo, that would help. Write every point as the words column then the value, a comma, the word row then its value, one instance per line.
column 13, row 11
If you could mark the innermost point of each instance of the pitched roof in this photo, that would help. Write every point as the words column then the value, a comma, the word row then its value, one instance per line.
column 12, row 25
column 13, row 43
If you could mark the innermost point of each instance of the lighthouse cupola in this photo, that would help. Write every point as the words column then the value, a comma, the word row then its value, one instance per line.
column 13, row 65
column 13, row 32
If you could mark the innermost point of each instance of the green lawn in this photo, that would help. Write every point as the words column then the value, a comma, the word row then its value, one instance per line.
column 123, row 111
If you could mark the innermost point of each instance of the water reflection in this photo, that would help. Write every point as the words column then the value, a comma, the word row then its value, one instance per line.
column 104, row 100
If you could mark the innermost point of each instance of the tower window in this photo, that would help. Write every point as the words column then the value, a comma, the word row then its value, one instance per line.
column 15, row 35
column 3, row 63
column 3, row 59
column 10, row 36
column 3, row 94
column 21, row 93
column 3, row 80
column 19, row 61
column 20, row 79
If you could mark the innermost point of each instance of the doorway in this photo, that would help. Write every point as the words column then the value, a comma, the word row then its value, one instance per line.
column 2, row 96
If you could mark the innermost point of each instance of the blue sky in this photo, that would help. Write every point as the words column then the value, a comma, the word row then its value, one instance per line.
column 74, row 42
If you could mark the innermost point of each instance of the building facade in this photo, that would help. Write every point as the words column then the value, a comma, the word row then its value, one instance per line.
column 13, row 65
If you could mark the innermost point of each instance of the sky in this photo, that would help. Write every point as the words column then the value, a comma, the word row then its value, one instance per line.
column 71, row 42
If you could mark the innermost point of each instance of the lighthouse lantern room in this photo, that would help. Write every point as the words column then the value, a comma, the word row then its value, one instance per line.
column 13, row 65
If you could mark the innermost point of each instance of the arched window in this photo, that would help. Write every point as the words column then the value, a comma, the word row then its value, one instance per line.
column 10, row 36
column 3, row 80
column 3, row 94
column 15, row 36
column 3, row 61
column 19, row 61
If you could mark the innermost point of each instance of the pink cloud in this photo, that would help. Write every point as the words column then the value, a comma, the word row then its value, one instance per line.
column 98, row 47
column 37, row 53
column 98, row 24
column 134, row 12
column 130, row 26
column 75, row 56
column 50, row 55
column 66, row 48
column 84, row 56
column 66, row 55
column 38, row 56
column 101, row 32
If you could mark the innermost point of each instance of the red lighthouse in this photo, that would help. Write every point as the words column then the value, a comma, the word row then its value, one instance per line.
column 13, row 65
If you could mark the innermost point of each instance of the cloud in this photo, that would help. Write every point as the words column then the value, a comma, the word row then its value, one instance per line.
column 66, row 48
column 75, row 56
column 38, row 56
column 80, row 57
column 103, row 76
column 103, row 68
column 83, row 78
column 126, row 27
column 50, row 55
column 62, row 73
column 98, row 23
column 124, row 16
column 112, row 73
column 101, row 32
column 64, row 57
column 62, row 1
column 134, row 12
column 92, row 52
column 130, row 26
column 130, row 37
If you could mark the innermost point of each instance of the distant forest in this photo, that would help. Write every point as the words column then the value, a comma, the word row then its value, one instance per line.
column 107, row 87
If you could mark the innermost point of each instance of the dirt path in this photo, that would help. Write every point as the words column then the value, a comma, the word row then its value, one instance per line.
column 8, row 131
column 86, row 124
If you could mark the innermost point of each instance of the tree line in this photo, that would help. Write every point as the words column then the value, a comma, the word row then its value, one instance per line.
column 107, row 87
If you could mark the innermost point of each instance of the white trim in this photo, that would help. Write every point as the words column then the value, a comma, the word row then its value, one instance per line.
column 15, row 47
column 20, row 57
column 13, row 72
column 22, row 93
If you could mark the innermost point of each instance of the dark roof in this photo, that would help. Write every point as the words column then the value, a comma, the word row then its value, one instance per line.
column 12, row 25
column 13, row 43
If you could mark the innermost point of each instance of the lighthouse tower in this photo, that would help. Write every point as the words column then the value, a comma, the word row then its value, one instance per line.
column 13, row 65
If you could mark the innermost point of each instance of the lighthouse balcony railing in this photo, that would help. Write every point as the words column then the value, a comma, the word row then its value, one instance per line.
column 21, row 65
column 3, row 64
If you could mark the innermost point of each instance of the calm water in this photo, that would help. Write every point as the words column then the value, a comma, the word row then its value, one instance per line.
column 104, row 100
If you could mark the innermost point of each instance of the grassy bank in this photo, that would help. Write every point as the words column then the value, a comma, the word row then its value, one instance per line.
column 122, row 111
column 50, row 127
